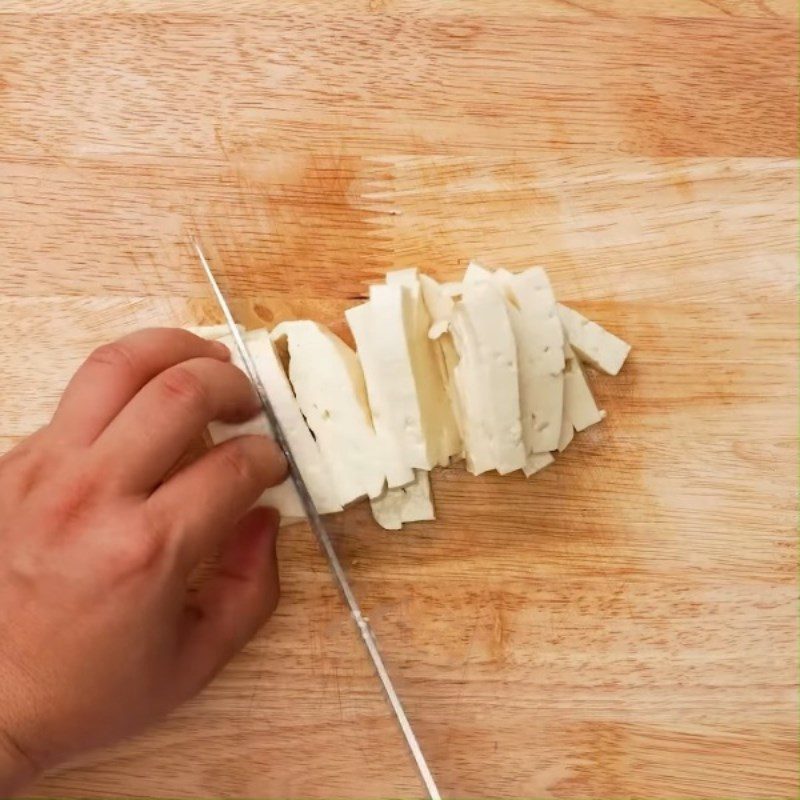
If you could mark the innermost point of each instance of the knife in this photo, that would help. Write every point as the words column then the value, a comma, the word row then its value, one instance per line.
column 322, row 536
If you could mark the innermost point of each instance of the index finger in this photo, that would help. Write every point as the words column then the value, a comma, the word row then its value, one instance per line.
column 113, row 374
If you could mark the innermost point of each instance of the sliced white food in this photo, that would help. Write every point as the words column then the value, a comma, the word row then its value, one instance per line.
column 540, row 346
column 212, row 332
column 393, row 323
column 439, row 424
column 402, row 277
column 488, row 368
column 592, row 343
column 438, row 329
column 505, row 280
column 526, row 355
column 453, row 288
column 567, row 428
column 329, row 385
column 440, row 309
column 381, row 347
column 579, row 404
column 306, row 452
column 438, row 304
column 410, row 503
column 283, row 497
column 537, row 462
column 474, row 274
column 487, row 380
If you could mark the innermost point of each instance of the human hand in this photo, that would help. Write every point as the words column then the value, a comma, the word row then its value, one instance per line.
column 99, row 634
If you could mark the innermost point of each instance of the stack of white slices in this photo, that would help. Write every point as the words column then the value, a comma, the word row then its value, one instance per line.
column 486, row 371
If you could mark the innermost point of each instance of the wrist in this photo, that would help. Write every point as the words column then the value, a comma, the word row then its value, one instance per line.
column 16, row 768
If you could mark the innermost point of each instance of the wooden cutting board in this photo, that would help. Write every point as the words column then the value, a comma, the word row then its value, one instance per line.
column 625, row 623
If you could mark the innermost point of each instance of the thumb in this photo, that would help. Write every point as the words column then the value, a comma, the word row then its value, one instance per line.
column 235, row 602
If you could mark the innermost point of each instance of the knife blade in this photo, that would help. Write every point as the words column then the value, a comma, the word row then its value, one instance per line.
column 322, row 536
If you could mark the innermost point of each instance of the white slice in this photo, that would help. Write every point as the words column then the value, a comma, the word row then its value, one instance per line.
column 212, row 332
column 579, row 404
column 578, row 400
column 306, row 452
column 592, row 343
column 487, row 380
column 438, row 329
column 284, row 496
column 540, row 344
column 389, row 379
column 526, row 354
column 567, row 428
column 402, row 277
column 475, row 273
column 440, row 309
column 329, row 386
column 537, row 462
column 453, row 288
column 505, row 280
column 531, row 384
column 412, row 277
column 439, row 424
column 392, row 320
column 439, row 305
column 410, row 503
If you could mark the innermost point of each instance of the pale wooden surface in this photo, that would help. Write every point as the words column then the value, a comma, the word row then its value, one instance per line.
column 623, row 625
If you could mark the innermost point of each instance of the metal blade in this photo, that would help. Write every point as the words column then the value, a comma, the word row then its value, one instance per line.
column 324, row 539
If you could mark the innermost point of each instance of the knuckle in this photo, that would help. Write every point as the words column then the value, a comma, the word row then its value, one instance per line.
column 182, row 385
column 141, row 548
column 115, row 355
column 70, row 503
column 138, row 554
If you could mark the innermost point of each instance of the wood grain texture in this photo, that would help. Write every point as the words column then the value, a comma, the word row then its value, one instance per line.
column 625, row 623
column 239, row 85
column 754, row 9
